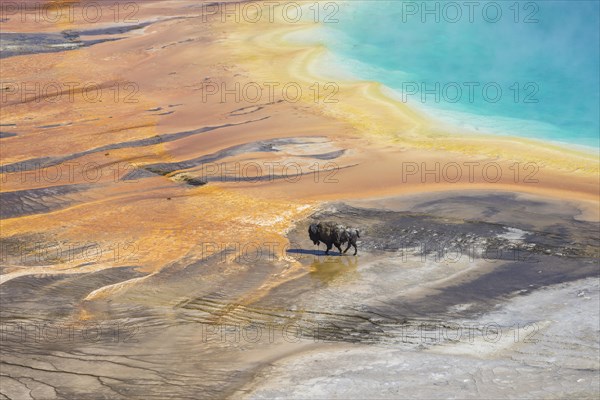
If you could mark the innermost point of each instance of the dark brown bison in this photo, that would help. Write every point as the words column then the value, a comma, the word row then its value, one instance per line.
column 332, row 234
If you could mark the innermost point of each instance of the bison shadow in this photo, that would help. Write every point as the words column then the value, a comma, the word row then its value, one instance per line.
column 313, row 252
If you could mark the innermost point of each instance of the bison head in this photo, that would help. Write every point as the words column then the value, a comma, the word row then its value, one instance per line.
column 313, row 233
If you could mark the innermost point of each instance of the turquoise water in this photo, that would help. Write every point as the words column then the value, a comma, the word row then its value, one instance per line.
column 543, row 56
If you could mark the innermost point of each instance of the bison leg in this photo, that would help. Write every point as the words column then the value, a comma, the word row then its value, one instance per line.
column 349, row 244
column 355, row 249
column 339, row 247
column 329, row 245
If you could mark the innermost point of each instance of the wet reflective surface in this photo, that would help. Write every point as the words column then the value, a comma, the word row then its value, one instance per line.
column 210, row 326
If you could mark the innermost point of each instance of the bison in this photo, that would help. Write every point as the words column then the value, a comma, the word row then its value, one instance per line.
column 332, row 234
